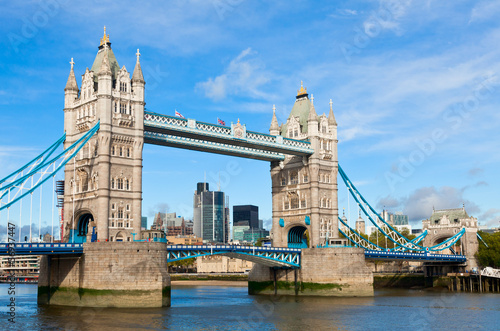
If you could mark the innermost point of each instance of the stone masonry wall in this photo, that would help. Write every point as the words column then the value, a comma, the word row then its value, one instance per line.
column 324, row 272
column 108, row 274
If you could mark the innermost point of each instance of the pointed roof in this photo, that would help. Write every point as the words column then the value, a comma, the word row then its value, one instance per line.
column 313, row 116
column 105, row 68
column 274, row 121
column 331, row 117
column 105, row 51
column 137, row 75
column 300, row 109
column 71, row 84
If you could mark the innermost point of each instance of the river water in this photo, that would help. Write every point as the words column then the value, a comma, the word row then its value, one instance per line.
column 231, row 308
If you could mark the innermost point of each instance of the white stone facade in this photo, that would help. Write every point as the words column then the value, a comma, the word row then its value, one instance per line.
column 304, row 189
column 105, row 179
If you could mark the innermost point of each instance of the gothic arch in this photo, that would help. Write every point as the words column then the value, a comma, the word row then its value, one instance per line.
column 298, row 237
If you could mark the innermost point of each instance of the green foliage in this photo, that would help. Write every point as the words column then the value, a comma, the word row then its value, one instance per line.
column 382, row 242
column 259, row 242
column 489, row 256
column 183, row 263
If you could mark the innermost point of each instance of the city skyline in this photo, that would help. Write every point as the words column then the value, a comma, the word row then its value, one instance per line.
column 414, row 92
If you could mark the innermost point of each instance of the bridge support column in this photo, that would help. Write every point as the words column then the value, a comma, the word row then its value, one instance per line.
column 107, row 274
column 324, row 272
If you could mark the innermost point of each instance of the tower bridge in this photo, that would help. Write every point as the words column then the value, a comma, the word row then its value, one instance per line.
column 106, row 127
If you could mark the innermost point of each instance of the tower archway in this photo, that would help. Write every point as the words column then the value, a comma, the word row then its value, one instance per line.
column 82, row 229
column 298, row 237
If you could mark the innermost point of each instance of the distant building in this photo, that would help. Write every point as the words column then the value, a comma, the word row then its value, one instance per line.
column 398, row 220
column 23, row 267
column 246, row 215
column 252, row 235
column 153, row 235
column 172, row 224
column 184, row 240
column 416, row 231
column 239, row 232
column 210, row 215
column 360, row 225
column 221, row 264
column 144, row 223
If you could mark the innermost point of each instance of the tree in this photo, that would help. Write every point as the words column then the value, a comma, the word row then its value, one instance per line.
column 489, row 256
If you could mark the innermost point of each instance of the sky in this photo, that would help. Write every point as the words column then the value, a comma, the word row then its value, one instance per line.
column 414, row 85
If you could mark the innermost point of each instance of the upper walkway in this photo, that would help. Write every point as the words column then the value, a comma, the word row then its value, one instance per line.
column 235, row 140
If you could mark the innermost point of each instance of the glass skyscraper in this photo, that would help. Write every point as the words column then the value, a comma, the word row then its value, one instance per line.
column 210, row 214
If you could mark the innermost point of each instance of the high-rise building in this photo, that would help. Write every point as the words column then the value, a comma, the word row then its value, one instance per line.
column 210, row 214
column 144, row 223
column 244, row 214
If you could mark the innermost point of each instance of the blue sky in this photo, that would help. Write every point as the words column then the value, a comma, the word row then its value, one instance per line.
column 414, row 85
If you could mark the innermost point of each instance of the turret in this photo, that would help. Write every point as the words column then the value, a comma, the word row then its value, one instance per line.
column 332, row 123
column 104, row 76
column 138, row 79
column 274, row 130
column 312, row 120
column 71, row 89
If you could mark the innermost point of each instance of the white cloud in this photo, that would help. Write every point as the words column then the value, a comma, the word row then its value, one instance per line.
column 419, row 204
column 485, row 10
column 244, row 75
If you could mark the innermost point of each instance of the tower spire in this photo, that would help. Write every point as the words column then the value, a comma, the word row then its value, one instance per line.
column 105, row 38
column 331, row 117
column 137, row 76
column 274, row 129
column 71, row 84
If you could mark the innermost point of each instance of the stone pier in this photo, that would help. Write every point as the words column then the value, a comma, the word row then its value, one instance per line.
column 325, row 272
column 107, row 274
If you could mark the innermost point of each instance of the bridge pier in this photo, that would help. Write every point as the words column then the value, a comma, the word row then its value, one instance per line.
column 107, row 274
column 324, row 272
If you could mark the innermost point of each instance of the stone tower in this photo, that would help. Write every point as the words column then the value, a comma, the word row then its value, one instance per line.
column 304, row 189
column 103, row 184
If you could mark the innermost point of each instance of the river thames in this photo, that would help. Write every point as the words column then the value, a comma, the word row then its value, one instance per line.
column 231, row 308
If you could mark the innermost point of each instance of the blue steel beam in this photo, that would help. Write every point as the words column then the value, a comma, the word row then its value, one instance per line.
column 156, row 138
column 270, row 256
column 429, row 257
column 41, row 249
column 206, row 132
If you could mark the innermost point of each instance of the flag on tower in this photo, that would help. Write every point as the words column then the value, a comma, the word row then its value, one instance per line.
column 220, row 122
column 177, row 114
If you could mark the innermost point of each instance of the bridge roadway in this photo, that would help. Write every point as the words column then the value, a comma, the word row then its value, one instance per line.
column 269, row 256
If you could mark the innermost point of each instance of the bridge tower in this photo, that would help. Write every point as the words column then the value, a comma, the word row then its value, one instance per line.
column 446, row 223
column 304, row 189
column 103, row 185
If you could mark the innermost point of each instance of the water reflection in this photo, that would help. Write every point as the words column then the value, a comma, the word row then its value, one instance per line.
column 231, row 308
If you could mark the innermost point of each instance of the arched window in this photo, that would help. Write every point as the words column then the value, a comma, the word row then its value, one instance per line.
column 303, row 203
column 283, row 181
column 286, row 203
column 127, row 186
column 112, row 183
column 294, row 201
column 294, row 178
column 113, row 150
column 119, row 183
column 128, row 152
column 120, row 213
column 116, row 107
column 121, row 151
